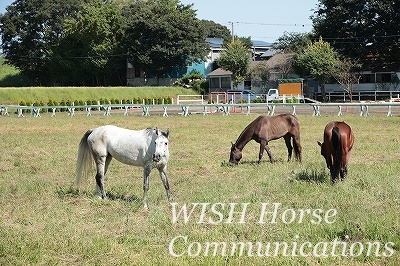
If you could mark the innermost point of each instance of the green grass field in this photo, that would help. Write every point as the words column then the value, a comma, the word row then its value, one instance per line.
column 45, row 221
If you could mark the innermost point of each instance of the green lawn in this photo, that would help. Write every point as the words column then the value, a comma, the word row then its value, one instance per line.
column 45, row 221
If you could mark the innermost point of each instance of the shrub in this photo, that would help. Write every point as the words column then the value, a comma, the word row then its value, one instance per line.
column 194, row 80
column 81, row 103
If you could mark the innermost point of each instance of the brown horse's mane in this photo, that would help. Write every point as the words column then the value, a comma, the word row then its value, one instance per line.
column 245, row 137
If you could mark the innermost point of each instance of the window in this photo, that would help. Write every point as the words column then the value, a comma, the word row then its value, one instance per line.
column 137, row 72
column 383, row 77
column 214, row 82
column 367, row 78
column 225, row 82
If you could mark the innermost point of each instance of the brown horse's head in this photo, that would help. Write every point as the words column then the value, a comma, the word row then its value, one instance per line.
column 324, row 153
column 235, row 156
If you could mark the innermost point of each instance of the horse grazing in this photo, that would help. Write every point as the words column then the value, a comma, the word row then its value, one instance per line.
column 147, row 148
column 338, row 142
column 264, row 129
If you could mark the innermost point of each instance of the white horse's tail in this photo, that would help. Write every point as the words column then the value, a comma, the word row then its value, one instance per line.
column 84, row 161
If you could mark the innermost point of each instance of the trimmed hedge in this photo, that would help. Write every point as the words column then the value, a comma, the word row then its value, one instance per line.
column 102, row 101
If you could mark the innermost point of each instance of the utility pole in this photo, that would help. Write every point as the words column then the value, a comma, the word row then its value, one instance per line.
column 233, row 34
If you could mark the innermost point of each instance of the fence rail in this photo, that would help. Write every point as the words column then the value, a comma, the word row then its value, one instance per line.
column 196, row 99
column 358, row 95
column 185, row 109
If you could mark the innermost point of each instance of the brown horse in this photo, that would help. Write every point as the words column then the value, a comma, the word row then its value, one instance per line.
column 264, row 129
column 338, row 142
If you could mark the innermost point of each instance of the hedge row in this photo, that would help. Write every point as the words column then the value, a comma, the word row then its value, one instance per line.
column 50, row 103
column 167, row 100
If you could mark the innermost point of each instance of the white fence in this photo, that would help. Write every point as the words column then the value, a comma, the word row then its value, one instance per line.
column 193, row 99
column 185, row 108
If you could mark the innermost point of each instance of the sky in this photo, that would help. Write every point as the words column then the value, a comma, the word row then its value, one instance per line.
column 262, row 20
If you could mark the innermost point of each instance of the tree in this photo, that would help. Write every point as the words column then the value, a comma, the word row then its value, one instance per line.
column 347, row 74
column 91, row 42
column 365, row 30
column 285, row 64
column 292, row 42
column 236, row 59
column 318, row 60
column 260, row 73
column 162, row 35
column 215, row 30
column 30, row 29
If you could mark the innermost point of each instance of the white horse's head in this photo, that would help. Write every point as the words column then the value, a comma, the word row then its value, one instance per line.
column 161, row 153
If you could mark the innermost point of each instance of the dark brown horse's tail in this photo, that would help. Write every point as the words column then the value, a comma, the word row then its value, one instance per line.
column 337, row 151
column 297, row 150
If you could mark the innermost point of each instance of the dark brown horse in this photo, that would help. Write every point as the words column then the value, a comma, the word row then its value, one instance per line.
column 264, row 129
column 338, row 142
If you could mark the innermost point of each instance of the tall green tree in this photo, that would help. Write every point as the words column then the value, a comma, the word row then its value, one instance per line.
column 216, row 30
column 365, row 30
column 292, row 42
column 162, row 35
column 235, row 58
column 318, row 61
column 30, row 29
column 91, row 43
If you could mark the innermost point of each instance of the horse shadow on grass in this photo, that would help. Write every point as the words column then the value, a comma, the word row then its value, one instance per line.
column 312, row 176
column 71, row 192
column 113, row 195
column 252, row 162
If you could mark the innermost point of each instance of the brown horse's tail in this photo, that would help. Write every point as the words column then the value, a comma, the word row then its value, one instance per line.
column 84, row 161
column 297, row 149
column 337, row 151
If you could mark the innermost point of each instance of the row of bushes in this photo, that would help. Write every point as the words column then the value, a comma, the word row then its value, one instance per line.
column 258, row 100
column 50, row 103
column 166, row 100
column 288, row 100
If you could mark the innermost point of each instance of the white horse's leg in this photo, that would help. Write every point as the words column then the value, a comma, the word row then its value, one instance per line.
column 146, row 178
column 101, row 168
column 163, row 175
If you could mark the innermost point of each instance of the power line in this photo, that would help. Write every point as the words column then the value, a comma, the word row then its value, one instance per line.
column 273, row 24
column 361, row 37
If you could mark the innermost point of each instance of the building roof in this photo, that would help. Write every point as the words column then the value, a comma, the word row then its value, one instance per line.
column 292, row 80
column 278, row 59
column 270, row 52
column 219, row 72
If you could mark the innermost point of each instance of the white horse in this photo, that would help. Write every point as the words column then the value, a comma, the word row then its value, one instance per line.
column 147, row 148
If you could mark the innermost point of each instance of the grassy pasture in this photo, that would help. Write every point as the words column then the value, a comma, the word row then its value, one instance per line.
column 45, row 221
